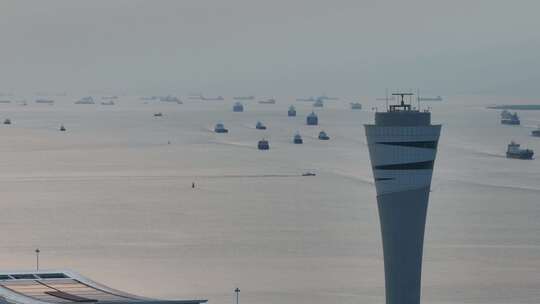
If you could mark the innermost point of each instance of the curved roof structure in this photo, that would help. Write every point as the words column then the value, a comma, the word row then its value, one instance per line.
column 64, row 287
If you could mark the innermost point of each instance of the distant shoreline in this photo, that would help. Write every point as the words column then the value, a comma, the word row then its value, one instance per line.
column 516, row 107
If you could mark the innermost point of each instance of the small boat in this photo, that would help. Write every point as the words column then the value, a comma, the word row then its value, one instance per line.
column 291, row 112
column 220, row 128
column 509, row 119
column 536, row 132
column 263, row 144
column 62, row 128
column 308, row 173
column 323, row 136
column 312, row 119
column 297, row 139
column 7, row 121
column 158, row 114
column 238, row 107
column 260, row 126
column 356, row 106
column 514, row 151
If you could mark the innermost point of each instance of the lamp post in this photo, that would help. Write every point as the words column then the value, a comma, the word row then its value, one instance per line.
column 237, row 291
column 37, row 259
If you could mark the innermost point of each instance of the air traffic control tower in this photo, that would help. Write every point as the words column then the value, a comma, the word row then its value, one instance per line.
column 402, row 147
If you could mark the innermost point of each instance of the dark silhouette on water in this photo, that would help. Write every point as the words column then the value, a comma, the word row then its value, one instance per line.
column 514, row 151
column 312, row 119
column 237, row 291
column 263, row 144
column 402, row 145
column 37, row 251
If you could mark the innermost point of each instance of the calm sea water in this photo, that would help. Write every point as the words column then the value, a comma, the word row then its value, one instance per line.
column 111, row 199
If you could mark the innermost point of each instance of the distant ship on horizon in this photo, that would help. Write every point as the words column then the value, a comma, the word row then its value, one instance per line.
column 437, row 98
column 267, row 101
column 85, row 100
column 311, row 98
column 305, row 98
column 324, row 97
column 170, row 98
column 318, row 103
column 251, row 97
column 356, row 106
column 44, row 101
column 109, row 97
column 217, row 98
column 109, row 102
column 149, row 98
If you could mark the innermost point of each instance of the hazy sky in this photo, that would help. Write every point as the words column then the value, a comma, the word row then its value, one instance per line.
column 277, row 47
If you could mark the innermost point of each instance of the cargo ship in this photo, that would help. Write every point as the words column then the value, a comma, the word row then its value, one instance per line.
column 238, row 107
column 291, row 112
column 220, row 128
column 509, row 119
column 263, row 144
column 514, row 151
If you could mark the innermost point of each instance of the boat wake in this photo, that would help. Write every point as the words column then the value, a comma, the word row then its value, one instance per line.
column 94, row 178
column 498, row 186
column 534, row 126
column 488, row 154
column 479, row 151
column 368, row 180
column 235, row 144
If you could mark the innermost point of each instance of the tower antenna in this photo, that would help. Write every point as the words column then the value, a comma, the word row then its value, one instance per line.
column 402, row 106
column 418, row 97
column 386, row 92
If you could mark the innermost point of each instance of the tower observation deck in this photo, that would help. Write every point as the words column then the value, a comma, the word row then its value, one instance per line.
column 402, row 147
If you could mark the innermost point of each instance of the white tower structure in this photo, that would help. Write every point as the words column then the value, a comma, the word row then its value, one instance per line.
column 402, row 147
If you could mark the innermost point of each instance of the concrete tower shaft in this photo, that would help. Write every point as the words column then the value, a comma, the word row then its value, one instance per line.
column 402, row 147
